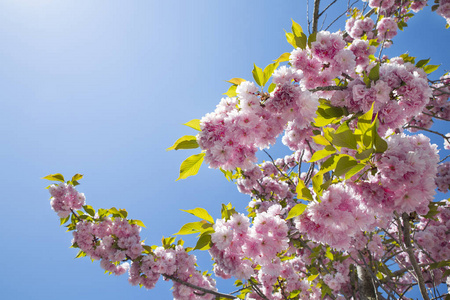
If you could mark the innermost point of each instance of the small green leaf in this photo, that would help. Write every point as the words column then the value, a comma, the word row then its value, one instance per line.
column 258, row 75
column 227, row 211
column 191, row 165
column 430, row 68
column 231, row 91
column 328, row 150
column 185, row 142
column 80, row 254
column 272, row 86
column 317, row 181
column 283, row 57
column 203, row 242
column 200, row 213
column 190, row 228
column 268, row 71
column 296, row 28
column 64, row 220
column 345, row 164
column 379, row 143
column 353, row 171
column 320, row 140
column 297, row 210
column 422, row 63
column 302, row 191
column 374, row 73
column 312, row 38
column 76, row 177
column 137, row 222
column 89, row 210
column 344, row 137
column 54, row 177
column 236, row 81
column 194, row 124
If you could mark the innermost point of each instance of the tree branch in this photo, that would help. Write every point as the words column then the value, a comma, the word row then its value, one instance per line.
column 412, row 258
column 173, row 278
column 315, row 17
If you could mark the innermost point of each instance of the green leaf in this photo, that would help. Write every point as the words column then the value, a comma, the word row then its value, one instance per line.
column 258, row 75
column 194, row 124
column 364, row 154
column 303, row 192
column 80, row 254
column 328, row 150
column 200, row 213
column 64, row 220
column 345, row 164
column 312, row 38
column 89, row 210
column 297, row 210
column 76, row 177
column 185, row 142
column 203, row 242
column 320, row 140
column 430, row 68
column 231, row 91
column 440, row 264
column 422, row 63
column 344, row 137
column 353, row 171
column 283, row 57
column 272, row 86
column 137, row 222
column 191, row 165
column 296, row 28
column 54, row 177
column 190, row 228
column 407, row 58
column 268, row 71
column 291, row 39
column 379, row 143
column 227, row 211
column 236, row 81
column 317, row 181
column 374, row 73
column 299, row 37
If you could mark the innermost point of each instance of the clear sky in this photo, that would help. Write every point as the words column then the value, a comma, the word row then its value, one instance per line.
column 101, row 88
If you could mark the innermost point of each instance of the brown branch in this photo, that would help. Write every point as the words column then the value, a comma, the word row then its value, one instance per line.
column 412, row 258
column 328, row 88
column 315, row 17
column 173, row 278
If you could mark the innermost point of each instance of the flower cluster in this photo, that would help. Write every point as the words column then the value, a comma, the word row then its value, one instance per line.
column 65, row 199
column 408, row 169
column 112, row 241
column 171, row 262
column 239, row 125
column 238, row 249
column 336, row 219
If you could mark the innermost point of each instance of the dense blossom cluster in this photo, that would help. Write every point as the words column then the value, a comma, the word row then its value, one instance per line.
column 171, row 262
column 239, row 125
column 109, row 240
column 336, row 219
column 65, row 198
column 408, row 169
column 238, row 249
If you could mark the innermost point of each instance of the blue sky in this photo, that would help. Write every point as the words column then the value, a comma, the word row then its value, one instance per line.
column 101, row 88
